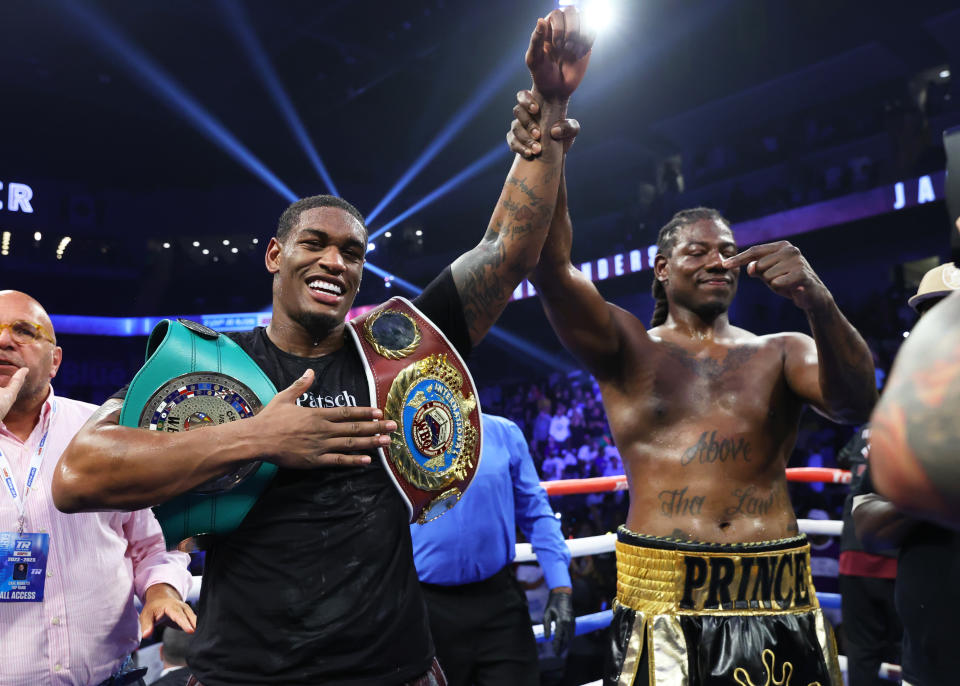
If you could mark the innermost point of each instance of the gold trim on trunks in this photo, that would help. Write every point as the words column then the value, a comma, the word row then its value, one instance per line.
column 658, row 581
column 435, row 473
column 391, row 353
column 769, row 660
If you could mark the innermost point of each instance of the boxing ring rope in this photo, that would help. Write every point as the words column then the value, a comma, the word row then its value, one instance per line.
column 604, row 484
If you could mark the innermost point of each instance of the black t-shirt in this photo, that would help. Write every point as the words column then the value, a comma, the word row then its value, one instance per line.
column 317, row 585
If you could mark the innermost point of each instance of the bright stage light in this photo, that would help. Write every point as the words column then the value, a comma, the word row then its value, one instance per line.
column 37, row 235
column 371, row 247
column 270, row 79
column 166, row 245
column 196, row 244
column 598, row 14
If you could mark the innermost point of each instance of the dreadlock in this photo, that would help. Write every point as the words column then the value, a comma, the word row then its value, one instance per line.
column 666, row 242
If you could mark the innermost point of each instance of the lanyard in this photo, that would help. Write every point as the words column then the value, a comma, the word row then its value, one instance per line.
column 6, row 473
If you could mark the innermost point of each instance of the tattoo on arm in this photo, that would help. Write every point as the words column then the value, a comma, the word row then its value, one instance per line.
column 677, row 502
column 708, row 449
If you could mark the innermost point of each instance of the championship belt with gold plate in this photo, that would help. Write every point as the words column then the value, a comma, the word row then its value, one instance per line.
column 419, row 380
column 194, row 378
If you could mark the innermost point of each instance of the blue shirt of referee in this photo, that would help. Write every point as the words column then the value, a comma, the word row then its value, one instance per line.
column 478, row 612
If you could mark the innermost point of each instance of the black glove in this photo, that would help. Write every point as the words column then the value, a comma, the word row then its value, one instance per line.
column 560, row 612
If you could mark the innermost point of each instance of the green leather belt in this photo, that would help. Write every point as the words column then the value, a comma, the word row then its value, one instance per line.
column 193, row 378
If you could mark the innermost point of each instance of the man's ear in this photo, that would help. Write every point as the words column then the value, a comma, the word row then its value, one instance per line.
column 57, row 359
column 272, row 256
column 661, row 267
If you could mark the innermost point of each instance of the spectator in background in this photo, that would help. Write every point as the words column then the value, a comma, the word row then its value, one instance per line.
column 928, row 565
column 173, row 652
column 560, row 425
column 871, row 628
column 81, row 626
column 541, row 425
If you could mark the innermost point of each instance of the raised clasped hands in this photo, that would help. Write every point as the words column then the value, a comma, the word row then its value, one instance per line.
column 306, row 437
column 785, row 270
column 558, row 54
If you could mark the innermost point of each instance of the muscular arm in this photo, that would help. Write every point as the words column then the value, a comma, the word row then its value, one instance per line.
column 486, row 275
column 113, row 467
column 915, row 431
column 585, row 323
column 833, row 372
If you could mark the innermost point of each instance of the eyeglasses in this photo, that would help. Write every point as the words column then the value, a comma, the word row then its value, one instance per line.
column 24, row 333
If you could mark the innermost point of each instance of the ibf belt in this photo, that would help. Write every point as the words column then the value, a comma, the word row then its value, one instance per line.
column 192, row 380
column 421, row 383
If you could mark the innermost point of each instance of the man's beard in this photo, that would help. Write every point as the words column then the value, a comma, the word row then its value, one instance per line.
column 316, row 324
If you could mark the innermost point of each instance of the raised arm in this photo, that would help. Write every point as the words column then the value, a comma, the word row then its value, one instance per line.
column 486, row 276
column 585, row 323
column 833, row 371
column 583, row 320
column 113, row 467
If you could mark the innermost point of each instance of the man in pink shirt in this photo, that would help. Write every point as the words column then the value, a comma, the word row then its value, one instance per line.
column 67, row 581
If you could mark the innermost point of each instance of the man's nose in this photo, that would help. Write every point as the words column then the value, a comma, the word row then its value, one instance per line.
column 715, row 261
column 6, row 338
column 332, row 260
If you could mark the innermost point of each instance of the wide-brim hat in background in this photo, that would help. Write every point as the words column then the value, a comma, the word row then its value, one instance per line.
column 936, row 283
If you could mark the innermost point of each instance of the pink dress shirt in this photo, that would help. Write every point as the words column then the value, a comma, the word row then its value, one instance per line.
column 87, row 623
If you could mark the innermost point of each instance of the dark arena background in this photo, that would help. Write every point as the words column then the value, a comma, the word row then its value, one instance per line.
column 147, row 149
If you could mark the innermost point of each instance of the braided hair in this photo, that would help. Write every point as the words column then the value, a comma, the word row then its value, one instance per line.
column 666, row 242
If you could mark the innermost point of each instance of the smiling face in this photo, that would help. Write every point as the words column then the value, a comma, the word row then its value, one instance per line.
column 693, row 275
column 317, row 269
column 41, row 357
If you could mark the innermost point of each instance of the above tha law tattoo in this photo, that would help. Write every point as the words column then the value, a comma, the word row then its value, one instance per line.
column 708, row 450
column 676, row 502
column 749, row 501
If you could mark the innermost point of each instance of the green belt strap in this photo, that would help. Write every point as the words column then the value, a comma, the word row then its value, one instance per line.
column 182, row 347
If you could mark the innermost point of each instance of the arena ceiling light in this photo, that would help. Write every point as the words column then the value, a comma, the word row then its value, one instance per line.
column 5, row 243
column 107, row 37
column 62, row 247
column 477, row 166
column 268, row 76
column 506, row 69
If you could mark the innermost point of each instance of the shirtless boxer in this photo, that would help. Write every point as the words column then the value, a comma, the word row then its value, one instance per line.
column 713, row 578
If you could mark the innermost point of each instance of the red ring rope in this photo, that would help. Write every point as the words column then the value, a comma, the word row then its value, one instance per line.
column 602, row 484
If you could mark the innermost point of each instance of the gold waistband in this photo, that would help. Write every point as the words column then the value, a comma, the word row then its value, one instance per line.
column 736, row 579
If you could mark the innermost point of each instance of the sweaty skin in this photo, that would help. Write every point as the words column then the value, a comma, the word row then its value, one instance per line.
column 704, row 413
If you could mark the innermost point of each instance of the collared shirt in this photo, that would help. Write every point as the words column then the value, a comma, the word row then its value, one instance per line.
column 477, row 537
column 87, row 623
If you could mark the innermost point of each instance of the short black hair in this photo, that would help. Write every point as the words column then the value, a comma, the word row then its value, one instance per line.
column 175, row 645
column 667, row 241
column 291, row 215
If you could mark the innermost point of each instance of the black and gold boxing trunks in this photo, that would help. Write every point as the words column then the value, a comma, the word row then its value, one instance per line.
column 699, row 614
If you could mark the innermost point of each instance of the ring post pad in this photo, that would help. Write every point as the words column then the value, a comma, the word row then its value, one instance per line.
column 419, row 381
column 193, row 378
